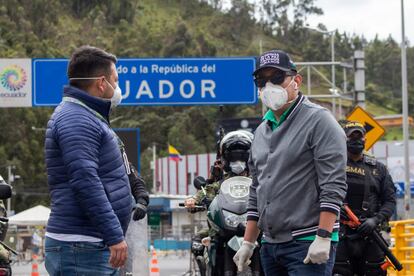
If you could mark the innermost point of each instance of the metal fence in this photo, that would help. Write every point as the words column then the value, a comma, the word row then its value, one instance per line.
column 166, row 237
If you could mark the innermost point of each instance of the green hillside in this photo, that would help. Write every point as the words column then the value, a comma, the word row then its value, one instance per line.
column 170, row 28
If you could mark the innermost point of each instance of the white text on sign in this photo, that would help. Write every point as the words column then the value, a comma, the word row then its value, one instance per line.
column 166, row 89
column 165, row 70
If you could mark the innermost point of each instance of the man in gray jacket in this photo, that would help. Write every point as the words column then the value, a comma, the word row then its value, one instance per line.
column 297, row 161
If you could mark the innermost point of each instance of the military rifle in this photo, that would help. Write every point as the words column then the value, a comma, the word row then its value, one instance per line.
column 354, row 223
column 215, row 171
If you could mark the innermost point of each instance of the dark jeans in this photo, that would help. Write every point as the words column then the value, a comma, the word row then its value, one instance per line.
column 77, row 258
column 280, row 259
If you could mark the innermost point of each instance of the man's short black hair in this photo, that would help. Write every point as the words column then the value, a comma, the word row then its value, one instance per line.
column 88, row 61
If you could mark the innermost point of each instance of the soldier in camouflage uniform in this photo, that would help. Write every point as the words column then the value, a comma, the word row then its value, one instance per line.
column 4, row 253
column 209, row 192
column 234, row 152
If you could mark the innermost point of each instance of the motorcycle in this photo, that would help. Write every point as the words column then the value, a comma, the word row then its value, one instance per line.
column 226, row 216
column 5, row 250
column 197, row 248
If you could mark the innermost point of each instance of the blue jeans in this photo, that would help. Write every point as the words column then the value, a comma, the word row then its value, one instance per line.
column 77, row 258
column 287, row 259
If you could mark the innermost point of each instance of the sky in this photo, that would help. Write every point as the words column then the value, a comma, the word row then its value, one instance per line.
column 366, row 17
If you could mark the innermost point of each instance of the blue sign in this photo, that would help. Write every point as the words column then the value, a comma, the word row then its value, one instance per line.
column 400, row 188
column 187, row 81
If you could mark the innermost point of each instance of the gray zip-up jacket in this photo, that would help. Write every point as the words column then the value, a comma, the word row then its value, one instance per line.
column 298, row 171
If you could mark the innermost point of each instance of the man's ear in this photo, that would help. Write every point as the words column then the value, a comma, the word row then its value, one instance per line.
column 298, row 80
column 100, row 85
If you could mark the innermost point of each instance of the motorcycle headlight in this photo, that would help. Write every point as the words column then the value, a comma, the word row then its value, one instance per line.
column 234, row 220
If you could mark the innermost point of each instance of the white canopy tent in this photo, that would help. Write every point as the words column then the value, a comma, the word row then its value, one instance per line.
column 37, row 215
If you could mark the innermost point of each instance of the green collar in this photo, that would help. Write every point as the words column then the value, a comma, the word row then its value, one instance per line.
column 274, row 123
column 270, row 116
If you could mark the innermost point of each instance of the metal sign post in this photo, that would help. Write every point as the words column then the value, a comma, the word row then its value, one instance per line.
column 407, row 196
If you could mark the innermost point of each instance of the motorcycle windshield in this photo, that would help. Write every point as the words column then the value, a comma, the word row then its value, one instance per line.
column 234, row 193
column 236, row 187
column 231, row 202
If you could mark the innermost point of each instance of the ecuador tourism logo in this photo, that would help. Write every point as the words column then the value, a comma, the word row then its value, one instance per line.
column 15, row 82
column 13, row 78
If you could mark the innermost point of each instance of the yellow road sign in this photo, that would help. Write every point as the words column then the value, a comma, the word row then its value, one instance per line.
column 374, row 130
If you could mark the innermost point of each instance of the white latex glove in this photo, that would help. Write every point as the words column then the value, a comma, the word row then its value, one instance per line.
column 318, row 252
column 243, row 255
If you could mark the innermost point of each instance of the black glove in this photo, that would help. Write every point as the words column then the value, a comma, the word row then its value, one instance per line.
column 368, row 226
column 139, row 212
column 137, row 184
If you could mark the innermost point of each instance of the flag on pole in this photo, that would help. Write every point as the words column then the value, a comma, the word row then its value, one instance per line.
column 173, row 153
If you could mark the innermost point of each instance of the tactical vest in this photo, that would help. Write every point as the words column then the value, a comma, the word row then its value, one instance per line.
column 359, row 180
column 4, row 225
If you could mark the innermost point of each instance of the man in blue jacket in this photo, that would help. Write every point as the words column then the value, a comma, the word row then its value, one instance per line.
column 87, row 170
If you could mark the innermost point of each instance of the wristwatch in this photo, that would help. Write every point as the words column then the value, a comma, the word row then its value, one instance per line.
column 324, row 233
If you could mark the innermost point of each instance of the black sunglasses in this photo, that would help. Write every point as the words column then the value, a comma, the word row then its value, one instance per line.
column 277, row 78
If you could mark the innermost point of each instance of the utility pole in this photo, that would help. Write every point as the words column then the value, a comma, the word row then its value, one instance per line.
column 154, row 172
column 359, row 66
column 407, row 184
column 11, row 178
column 333, row 72
column 264, row 109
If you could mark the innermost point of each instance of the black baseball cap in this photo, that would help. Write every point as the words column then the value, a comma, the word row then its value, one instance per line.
column 275, row 59
column 350, row 127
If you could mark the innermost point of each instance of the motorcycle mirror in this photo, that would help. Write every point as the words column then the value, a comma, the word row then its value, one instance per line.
column 5, row 190
column 199, row 182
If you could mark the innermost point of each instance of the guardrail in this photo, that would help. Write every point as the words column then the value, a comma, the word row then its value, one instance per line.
column 402, row 245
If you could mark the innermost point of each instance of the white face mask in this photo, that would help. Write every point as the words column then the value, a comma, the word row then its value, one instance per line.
column 117, row 96
column 237, row 167
column 275, row 96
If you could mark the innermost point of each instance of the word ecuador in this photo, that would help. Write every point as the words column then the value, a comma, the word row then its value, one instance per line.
column 151, row 88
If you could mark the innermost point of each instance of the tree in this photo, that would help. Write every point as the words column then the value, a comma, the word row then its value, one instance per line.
column 166, row 28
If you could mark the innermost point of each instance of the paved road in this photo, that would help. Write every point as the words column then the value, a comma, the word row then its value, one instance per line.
column 26, row 269
column 174, row 265
column 170, row 265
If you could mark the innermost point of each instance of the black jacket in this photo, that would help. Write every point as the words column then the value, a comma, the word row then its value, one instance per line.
column 138, row 189
column 381, row 197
